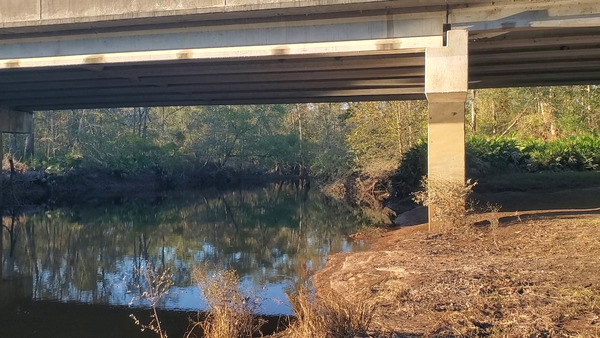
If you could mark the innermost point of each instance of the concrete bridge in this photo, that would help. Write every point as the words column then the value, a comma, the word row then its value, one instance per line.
column 62, row 54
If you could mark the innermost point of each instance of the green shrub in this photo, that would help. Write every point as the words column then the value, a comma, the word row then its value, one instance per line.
column 485, row 156
column 503, row 155
column 575, row 153
column 413, row 167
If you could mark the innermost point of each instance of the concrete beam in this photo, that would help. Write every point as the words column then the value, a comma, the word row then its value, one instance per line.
column 18, row 122
column 220, row 34
column 500, row 16
column 446, row 81
column 17, row 13
column 257, row 52
column 183, row 100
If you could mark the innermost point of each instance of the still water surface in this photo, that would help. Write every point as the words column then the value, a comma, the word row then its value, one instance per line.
column 273, row 237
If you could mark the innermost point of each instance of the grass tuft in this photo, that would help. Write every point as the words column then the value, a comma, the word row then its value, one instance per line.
column 231, row 311
column 329, row 316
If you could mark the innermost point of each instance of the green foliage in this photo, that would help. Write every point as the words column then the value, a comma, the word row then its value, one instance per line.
column 166, row 139
column 540, row 112
column 485, row 155
column 333, row 141
column 236, row 135
column 504, row 155
column 412, row 168
column 323, row 131
column 383, row 131
column 133, row 153
column 575, row 153
column 492, row 155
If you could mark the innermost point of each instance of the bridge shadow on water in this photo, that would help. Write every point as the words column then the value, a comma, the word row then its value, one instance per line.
column 56, row 319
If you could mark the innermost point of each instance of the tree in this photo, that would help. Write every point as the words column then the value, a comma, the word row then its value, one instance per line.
column 382, row 131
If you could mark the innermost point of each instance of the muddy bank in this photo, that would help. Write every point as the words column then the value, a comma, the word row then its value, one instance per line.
column 536, row 273
column 37, row 188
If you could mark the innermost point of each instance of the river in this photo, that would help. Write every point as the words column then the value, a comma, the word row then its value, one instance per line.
column 87, row 258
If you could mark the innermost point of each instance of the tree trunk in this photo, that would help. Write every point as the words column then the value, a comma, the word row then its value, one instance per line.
column 146, row 116
column 300, row 134
column 29, row 145
column 592, row 123
column 13, row 149
column 494, row 119
column 473, row 113
column 398, row 130
column 548, row 119
column 52, row 135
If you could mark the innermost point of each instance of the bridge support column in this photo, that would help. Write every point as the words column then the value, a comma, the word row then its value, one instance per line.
column 446, row 83
column 1, row 210
column 14, row 121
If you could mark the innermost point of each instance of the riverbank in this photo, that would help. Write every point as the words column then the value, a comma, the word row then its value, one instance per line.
column 518, row 273
column 29, row 189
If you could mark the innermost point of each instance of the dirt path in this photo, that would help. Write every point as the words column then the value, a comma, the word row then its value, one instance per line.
column 536, row 273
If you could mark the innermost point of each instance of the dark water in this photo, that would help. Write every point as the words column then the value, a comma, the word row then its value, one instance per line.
column 86, row 258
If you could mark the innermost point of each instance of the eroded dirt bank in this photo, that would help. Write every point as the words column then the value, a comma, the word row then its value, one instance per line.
column 535, row 274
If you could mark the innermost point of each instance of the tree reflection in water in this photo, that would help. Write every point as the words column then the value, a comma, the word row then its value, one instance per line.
column 272, row 237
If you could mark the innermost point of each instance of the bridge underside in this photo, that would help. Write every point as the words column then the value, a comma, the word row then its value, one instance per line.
column 250, row 80
column 273, row 74
column 391, row 50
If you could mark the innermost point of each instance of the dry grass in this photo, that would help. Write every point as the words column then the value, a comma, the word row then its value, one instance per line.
column 447, row 199
column 336, row 190
column 20, row 167
column 329, row 316
column 535, row 278
column 232, row 310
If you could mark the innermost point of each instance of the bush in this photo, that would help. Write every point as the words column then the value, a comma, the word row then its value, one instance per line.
column 575, row 153
column 501, row 155
column 447, row 199
column 413, row 167
column 232, row 310
column 485, row 156
column 330, row 315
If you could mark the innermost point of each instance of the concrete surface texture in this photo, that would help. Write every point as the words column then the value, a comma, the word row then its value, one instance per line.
column 76, row 10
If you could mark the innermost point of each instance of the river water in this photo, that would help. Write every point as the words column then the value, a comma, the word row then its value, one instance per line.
column 90, row 256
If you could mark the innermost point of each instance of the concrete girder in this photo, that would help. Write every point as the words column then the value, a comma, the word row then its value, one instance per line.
column 446, row 84
column 387, row 69
column 27, row 15
column 282, row 32
column 256, row 52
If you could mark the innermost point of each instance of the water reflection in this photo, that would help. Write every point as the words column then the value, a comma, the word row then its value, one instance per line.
column 272, row 236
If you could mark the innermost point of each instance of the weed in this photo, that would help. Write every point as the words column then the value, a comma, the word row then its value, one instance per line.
column 446, row 200
column 231, row 311
column 156, row 284
column 329, row 316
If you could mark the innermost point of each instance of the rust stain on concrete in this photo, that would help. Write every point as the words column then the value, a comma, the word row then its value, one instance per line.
column 99, row 58
column 13, row 64
column 388, row 45
column 280, row 51
column 185, row 54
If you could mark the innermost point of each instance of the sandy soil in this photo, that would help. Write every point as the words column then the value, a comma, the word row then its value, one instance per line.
column 533, row 273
